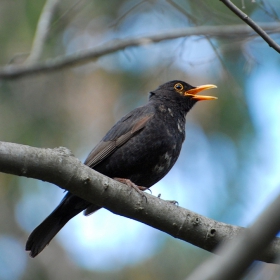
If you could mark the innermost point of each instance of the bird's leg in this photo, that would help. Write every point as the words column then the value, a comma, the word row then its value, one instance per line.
column 127, row 182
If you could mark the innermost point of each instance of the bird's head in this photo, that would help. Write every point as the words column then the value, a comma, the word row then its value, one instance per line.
column 181, row 92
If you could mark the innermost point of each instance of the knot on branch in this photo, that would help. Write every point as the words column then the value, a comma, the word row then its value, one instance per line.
column 196, row 221
column 63, row 151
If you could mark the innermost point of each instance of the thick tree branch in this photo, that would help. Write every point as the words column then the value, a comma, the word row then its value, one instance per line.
column 58, row 166
column 62, row 62
column 251, row 23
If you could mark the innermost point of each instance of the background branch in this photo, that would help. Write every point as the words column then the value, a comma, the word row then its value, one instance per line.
column 62, row 62
column 239, row 253
column 42, row 30
column 60, row 167
column 251, row 23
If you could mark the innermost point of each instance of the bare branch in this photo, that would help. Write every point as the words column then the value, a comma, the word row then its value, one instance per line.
column 62, row 62
column 58, row 166
column 239, row 253
column 251, row 23
column 42, row 30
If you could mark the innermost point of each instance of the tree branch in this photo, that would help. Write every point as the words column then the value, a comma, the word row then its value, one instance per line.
column 251, row 23
column 60, row 167
column 62, row 62
column 239, row 253
column 42, row 30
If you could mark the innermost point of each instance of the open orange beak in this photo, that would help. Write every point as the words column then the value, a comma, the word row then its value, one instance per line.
column 194, row 91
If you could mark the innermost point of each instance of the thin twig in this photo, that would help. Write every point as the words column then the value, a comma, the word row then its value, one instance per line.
column 251, row 23
column 62, row 62
column 197, row 22
column 42, row 30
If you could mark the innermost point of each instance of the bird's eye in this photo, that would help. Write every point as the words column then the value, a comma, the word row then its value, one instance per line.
column 178, row 86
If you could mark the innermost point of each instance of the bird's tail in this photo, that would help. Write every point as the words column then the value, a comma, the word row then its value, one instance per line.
column 69, row 207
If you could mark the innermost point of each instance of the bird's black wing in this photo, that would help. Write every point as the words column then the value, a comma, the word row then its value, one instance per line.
column 120, row 133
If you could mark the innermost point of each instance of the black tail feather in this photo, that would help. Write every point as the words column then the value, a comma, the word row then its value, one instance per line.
column 69, row 207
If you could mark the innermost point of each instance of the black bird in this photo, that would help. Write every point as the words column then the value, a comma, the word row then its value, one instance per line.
column 139, row 150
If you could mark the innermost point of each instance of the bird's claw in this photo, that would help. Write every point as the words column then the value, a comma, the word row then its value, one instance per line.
column 170, row 201
column 139, row 189
column 173, row 202
column 144, row 189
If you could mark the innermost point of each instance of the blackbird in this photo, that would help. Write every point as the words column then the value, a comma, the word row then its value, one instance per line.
column 138, row 150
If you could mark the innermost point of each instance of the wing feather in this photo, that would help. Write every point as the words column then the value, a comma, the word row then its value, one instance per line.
column 105, row 148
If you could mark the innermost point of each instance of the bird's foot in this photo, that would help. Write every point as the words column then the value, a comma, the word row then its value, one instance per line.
column 170, row 201
column 173, row 202
column 127, row 182
column 144, row 189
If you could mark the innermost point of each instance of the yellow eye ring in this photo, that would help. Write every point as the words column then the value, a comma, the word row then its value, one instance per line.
column 178, row 87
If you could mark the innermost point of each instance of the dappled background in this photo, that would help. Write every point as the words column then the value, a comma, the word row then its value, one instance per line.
column 229, row 167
